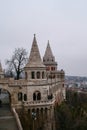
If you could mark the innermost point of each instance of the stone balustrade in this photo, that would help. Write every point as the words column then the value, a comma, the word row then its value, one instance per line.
column 23, row 82
column 4, row 81
column 46, row 82
column 39, row 103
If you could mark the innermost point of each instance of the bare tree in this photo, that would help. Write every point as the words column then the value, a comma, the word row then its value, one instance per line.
column 17, row 62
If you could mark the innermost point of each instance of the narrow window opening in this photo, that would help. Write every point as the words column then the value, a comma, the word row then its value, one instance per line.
column 25, row 97
column 20, row 96
column 42, row 75
column 33, row 75
column 38, row 75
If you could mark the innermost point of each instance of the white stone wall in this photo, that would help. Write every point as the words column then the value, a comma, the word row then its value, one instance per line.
column 42, row 89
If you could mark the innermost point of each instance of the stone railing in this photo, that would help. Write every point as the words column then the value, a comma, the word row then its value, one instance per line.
column 44, row 82
column 17, row 82
column 23, row 82
column 3, row 81
column 39, row 103
column 17, row 119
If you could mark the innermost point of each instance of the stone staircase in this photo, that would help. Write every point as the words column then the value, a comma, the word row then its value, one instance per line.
column 7, row 120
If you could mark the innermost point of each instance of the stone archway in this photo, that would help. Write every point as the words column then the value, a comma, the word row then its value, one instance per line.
column 5, row 97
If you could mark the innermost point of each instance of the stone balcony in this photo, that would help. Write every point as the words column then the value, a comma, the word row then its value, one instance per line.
column 39, row 103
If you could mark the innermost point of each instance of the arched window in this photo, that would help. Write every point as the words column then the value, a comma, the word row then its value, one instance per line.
column 25, row 97
column 19, row 96
column 25, row 75
column 36, row 96
column 33, row 75
column 43, row 75
column 43, row 60
column 38, row 75
column 63, row 85
column 48, row 68
column 50, row 96
column 52, row 68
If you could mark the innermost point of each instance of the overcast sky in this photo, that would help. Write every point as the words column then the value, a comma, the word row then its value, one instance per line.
column 62, row 22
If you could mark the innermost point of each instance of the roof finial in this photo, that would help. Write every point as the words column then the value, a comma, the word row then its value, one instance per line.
column 34, row 34
column 48, row 42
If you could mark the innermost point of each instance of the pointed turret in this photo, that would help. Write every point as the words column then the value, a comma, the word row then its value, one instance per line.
column 35, row 69
column 48, row 52
column 49, row 59
column 35, row 58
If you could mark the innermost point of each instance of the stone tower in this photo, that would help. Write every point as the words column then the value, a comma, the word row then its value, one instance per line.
column 35, row 69
column 49, row 59
column 35, row 72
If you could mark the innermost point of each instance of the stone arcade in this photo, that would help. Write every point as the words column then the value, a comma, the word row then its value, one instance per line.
column 43, row 85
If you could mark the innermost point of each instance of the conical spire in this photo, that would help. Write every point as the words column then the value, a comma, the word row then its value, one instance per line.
column 49, row 58
column 35, row 58
column 48, row 52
